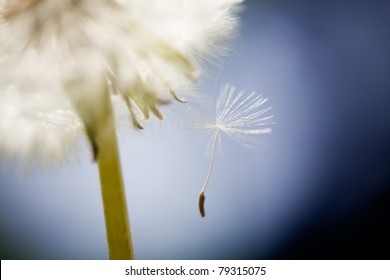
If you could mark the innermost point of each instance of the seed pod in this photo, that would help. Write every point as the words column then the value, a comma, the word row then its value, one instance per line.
column 201, row 204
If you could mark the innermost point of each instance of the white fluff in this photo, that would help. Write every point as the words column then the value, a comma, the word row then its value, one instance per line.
column 143, row 50
column 237, row 114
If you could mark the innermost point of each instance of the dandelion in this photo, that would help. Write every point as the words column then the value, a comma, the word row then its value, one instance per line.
column 62, row 62
column 238, row 115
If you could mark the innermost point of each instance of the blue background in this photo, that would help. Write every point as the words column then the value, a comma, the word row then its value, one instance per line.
column 317, row 188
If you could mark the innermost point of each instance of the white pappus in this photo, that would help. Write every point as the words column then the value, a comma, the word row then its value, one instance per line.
column 58, row 57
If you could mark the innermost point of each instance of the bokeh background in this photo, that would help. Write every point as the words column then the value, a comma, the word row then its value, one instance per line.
column 317, row 188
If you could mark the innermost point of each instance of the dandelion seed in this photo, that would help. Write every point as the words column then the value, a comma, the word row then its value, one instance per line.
column 238, row 115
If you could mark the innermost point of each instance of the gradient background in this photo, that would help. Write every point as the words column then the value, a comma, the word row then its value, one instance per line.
column 317, row 188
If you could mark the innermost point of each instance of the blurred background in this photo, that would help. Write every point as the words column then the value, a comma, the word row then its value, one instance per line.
column 317, row 188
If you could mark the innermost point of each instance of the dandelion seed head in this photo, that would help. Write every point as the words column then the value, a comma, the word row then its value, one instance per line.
column 57, row 58
column 39, row 127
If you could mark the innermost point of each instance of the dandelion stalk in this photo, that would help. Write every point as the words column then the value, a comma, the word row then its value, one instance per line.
column 58, row 66
column 202, row 196
column 114, row 201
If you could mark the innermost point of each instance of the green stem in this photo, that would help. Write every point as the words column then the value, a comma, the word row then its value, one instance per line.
column 120, row 246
